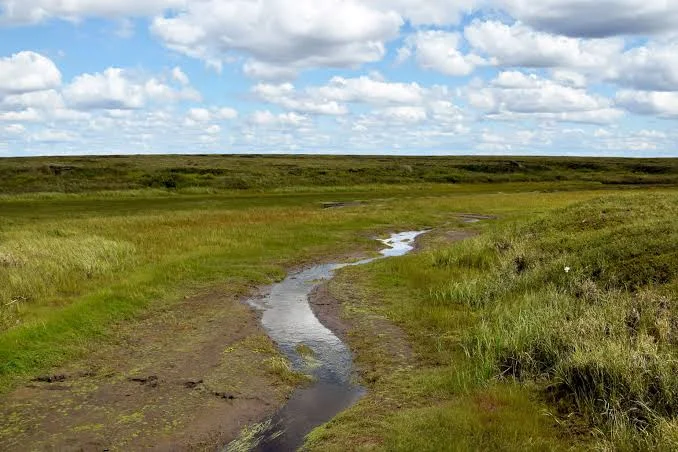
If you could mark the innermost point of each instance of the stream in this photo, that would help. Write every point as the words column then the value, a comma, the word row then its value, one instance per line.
column 290, row 322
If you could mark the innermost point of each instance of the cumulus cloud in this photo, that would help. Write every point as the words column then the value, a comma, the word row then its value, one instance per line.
column 118, row 89
column 403, row 114
column 199, row 115
column 34, row 11
column 267, row 119
column 520, row 46
column 594, row 19
column 278, row 35
column 369, row 90
column 438, row 50
column 286, row 96
column 179, row 76
column 663, row 104
column 48, row 99
column 54, row 136
column 514, row 95
column 541, row 63
column 653, row 67
column 204, row 115
column 27, row 71
column 428, row 12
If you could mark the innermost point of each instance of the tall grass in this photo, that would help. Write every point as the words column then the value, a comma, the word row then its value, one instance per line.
column 583, row 303
column 37, row 267
column 573, row 310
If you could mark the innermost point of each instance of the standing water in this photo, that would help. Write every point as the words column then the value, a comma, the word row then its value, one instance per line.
column 289, row 321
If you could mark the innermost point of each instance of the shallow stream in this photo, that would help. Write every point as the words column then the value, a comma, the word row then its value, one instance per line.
column 290, row 322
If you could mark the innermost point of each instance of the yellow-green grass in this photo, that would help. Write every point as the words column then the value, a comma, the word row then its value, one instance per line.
column 552, row 329
column 70, row 267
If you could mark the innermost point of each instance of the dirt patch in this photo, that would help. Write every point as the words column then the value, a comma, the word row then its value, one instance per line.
column 340, row 204
column 189, row 377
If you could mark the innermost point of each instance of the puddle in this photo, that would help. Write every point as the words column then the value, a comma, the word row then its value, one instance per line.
column 290, row 322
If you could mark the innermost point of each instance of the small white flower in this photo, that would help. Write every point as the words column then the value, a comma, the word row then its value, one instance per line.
column 567, row 269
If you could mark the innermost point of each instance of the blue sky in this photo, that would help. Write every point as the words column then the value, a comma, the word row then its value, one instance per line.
column 555, row 77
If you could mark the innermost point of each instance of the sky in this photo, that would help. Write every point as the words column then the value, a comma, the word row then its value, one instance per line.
column 422, row 77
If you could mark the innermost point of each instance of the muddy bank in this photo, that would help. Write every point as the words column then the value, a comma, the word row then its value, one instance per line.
column 189, row 377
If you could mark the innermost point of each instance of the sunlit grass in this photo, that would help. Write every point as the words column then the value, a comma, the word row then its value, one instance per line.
column 571, row 310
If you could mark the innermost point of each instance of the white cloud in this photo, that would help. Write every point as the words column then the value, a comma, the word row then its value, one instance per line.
column 27, row 115
column 203, row 115
column 403, row 114
column 111, row 90
column 599, row 18
column 47, row 99
column 266, row 118
column 602, row 116
column 199, row 114
column 662, row 104
column 266, row 71
column 277, row 34
column 428, row 12
column 213, row 129
column 367, row 90
column 286, row 96
column 438, row 51
column 520, row 46
column 225, row 113
column 24, row 72
column 517, row 96
column 118, row 89
column 179, row 76
column 34, row 11
column 54, row 136
column 653, row 67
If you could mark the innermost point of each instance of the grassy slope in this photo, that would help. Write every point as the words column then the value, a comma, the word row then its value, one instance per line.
column 82, row 174
column 511, row 344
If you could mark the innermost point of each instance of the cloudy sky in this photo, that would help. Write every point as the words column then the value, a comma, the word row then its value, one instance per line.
column 582, row 77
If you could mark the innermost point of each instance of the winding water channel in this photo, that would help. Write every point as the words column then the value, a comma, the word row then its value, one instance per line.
column 290, row 322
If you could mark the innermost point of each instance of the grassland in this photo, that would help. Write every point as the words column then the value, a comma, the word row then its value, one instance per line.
column 511, row 351
column 545, row 332
column 248, row 172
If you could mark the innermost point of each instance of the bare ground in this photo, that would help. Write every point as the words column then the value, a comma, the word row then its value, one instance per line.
column 189, row 377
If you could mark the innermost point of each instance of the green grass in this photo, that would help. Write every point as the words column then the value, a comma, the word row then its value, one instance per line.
column 511, row 352
column 568, row 316
column 72, row 272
